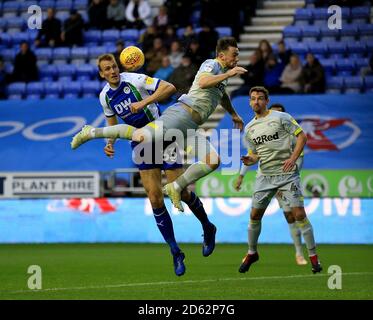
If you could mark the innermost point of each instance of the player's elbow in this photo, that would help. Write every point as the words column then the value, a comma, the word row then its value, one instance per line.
column 202, row 83
column 171, row 88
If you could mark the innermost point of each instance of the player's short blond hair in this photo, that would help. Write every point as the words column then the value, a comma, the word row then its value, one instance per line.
column 259, row 89
column 105, row 57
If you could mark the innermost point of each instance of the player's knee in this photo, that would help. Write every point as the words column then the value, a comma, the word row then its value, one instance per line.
column 256, row 214
column 138, row 135
column 156, row 198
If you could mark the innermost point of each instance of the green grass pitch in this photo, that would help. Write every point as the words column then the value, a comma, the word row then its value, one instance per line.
column 145, row 271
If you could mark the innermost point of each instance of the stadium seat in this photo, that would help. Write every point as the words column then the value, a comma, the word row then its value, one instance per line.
column 62, row 15
column 48, row 72
column 334, row 84
column 14, row 97
column 80, row 4
column 66, row 70
column 63, row 5
column 45, row 4
column 53, row 88
column 310, row 33
column 356, row 48
column 92, row 36
column 328, row 34
column 24, row 5
column 79, row 55
column 180, row 32
column 303, row 14
column 16, row 23
column 129, row 34
column 345, row 67
column 361, row 63
column 94, row 52
column 328, row 65
column 337, row 49
column 366, row 31
column 110, row 35
column 368, row 84
column 348, row 32
column 11, row 6
column 292, row 32
column 9, row 54
column 44, row 53
column 319, row 48
column 224, row 31
column 17, row 88
column 91, row 87
column 3, row 24
column 61, row 53
column 35, row 88
column 353, row 84
column 85, row 71
column 360, row 14
column 19, row 37
column 299, row 48
column 73, row 87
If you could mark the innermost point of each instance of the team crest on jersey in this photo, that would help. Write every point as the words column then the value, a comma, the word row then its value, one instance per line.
column 126, row 90
column 149, row 80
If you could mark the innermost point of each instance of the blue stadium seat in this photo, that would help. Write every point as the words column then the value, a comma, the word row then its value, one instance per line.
column 17, row 88
column 11, row 6
column 320, row 14
column 337, row 49
column 334, row 84
column 368, row 84
column 9, row 54
column 319, row 48
column 292, row 32
column 53, row 88
column 61, row 53
column 299, row 48
column 303, row 14
column 16, row 23
column 328, row 34
column 348, row 32
column 329, row 66
column 130, row 34
column 48, row 72
column 345, row 67
column 110, row 35
column 354, row 84
column 14, row 97
column 44, row 53
column 361, row 63
column 35, row 88
column 19, row 37
column 62, row 15
column 66, row 70
column 310, row 33
column 80, row 4
column 45, row 4
column 360, row 14
column 85, row 72
column 3, row 24
column 224, row 31
column 356, row 48
column 180, row 32
column 73, row 87
column 92, row 36
column 94, row 52
column 25, row 5
column 366, row 31
column 79, row 53
column 63, row 5
column 92, row 87
column 33, row 96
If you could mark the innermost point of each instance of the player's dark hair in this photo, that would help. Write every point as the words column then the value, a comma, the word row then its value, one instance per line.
column 278, row 106
column 105, row 57
column 225, row 43
column 260, row 89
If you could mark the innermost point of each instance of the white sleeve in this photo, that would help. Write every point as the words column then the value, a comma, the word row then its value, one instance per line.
column 143, row 81
column 244, row 169
column 105, row 107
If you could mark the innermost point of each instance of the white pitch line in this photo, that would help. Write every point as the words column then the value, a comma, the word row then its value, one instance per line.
column 139, row 284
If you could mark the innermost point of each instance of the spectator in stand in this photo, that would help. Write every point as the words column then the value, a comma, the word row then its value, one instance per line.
column 194, row 52
column 291, row 76
column 73, row 30
column 179, row 12
column 50, row 33
column 266, row 49
column 188, row 36
column 313, row 75
column 119, row 48
column 161, row 19
column 138, row 14
column 272, row 73
column 25, row 68
column 207, row 39
column 168, row 37
column 115, row 14
column 147, row 38
column 183, row 76
column 165, row 71
column 154, row 56
column 97, row 14
column 283, row 54
column 4, row 79
column 176, row 54
column 254, row 75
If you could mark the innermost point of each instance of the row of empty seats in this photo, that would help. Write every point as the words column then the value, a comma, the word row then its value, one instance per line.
column 17, row 7
column 351, row 84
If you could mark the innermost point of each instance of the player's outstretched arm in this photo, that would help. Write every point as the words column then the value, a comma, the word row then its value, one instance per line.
column 209, row 80
column 164, row 91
